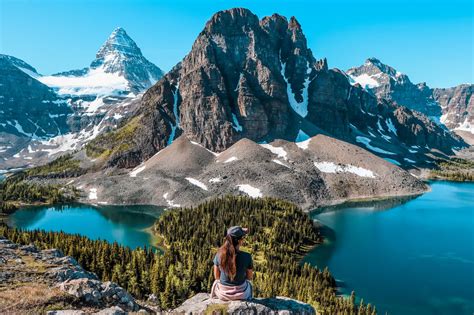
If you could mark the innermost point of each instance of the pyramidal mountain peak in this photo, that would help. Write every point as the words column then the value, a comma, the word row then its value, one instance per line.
column 119, row 67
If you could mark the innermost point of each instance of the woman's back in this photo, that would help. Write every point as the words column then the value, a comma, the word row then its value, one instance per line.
column 243, row 262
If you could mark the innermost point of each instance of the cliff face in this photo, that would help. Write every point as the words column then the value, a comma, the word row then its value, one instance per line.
column 457, row 105
column 256, row 79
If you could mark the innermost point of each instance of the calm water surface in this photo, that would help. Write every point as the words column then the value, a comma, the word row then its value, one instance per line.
column 405, row 256
column 125, row 224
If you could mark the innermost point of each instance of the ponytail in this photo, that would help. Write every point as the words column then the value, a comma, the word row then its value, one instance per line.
column 227, row 256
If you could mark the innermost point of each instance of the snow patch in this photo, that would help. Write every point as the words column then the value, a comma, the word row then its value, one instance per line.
column 62, row 143
column 250, row 190
column 93, row 194
column 365, row 80
column 231, row 159
column 466, row 126
column 137, row 170
column 280, row 162
column 199, row 145
column 409, row 160
column 303, row 144
column 176, row 115
column 170, row 202
column 366, row 142
column 391, row 126
column 197, row 183
column 276, row 150
column 330, row 167
column 215, row 180
column 300, row 108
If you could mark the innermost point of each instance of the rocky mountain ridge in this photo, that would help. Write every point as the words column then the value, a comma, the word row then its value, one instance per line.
column 451, row 107
column 315, row 172
column 257, row 79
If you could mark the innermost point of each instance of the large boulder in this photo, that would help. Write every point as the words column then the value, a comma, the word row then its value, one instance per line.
column 202, row 302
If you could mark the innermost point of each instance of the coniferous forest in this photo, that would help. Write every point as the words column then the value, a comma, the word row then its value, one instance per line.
column 280, row 234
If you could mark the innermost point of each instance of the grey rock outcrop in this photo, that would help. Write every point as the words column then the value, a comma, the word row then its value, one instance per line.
column 52, row 271
column 199, row 303
column 457, row 105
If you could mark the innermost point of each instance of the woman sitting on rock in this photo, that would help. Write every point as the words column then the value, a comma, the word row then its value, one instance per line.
column 233, row 268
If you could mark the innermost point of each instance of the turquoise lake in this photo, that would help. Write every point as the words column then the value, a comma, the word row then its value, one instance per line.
column 124, row 224
column 406, row 256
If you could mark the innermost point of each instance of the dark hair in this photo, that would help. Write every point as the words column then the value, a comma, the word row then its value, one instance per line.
column 227, row 255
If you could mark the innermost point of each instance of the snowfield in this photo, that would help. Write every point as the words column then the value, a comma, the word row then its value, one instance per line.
column 197, row 183
column 330, row 167
column 250, row 190
column 95, row 82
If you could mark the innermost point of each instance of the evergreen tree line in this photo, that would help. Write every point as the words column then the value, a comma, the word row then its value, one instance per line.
column 25, row 187
column 280, row 234
column 456, row 169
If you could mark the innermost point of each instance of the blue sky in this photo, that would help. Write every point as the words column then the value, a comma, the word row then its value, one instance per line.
column 430, row 41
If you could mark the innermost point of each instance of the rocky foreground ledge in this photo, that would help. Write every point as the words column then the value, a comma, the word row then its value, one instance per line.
column 202, row 304
column 34, row 281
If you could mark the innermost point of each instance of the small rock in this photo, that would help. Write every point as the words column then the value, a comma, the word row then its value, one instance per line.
column 52, row 253
column 114, row 310
column 29, row 248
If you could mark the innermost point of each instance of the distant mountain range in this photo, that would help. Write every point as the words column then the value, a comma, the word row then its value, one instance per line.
column 246, row 78
column 249, row 110
column 43, row 116
column 452, row 107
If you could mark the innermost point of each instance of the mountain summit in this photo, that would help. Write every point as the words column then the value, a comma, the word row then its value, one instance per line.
column 119, row 68
column 453, row 107
column 121, row 55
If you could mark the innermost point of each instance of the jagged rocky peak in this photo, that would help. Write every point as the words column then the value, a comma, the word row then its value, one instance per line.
column 121, row 55
column 373, row 73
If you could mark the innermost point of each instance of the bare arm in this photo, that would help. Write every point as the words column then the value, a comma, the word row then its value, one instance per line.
column 217, row 272
column 249, row 274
